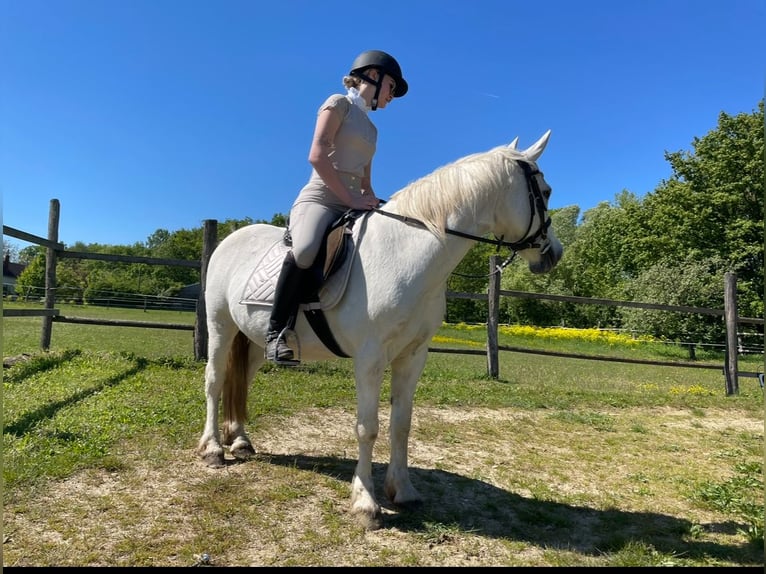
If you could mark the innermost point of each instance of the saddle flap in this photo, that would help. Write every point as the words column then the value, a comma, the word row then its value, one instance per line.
column 336, row 249
column 333, row 265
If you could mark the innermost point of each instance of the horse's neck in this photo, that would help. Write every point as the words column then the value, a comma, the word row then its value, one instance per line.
column 409, row 246
column 470, row 223
column 470, row 213
column 467, row 220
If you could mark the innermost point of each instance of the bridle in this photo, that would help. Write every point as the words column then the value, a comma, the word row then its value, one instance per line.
column 538, row 239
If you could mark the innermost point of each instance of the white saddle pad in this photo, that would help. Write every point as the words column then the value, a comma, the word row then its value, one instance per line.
column 261, row 286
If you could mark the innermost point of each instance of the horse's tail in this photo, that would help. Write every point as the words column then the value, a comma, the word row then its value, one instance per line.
column 235, row 383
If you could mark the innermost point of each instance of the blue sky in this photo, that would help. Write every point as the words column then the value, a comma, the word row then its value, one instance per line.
column 141, row 115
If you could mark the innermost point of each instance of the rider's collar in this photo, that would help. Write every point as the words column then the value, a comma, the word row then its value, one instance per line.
column 356, row 98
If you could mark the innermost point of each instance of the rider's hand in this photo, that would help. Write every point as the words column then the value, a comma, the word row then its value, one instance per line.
column 365, row 202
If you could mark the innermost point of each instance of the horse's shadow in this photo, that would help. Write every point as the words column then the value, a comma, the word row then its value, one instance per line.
column 455, row 502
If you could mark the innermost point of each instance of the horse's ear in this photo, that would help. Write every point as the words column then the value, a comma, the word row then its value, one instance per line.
column 514, row 143
column 536, row 149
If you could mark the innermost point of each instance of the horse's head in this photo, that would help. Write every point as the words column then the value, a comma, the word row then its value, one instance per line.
column 500, row 192
column 522, row 219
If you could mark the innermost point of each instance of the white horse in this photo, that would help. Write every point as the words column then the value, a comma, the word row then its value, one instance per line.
column 392, row 306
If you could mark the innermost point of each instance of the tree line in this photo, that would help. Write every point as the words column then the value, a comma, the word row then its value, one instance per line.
column 672, row 246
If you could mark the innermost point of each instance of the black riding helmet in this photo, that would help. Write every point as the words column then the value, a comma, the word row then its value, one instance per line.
column 386, row 64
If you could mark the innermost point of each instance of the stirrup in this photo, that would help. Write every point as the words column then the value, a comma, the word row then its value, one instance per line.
column 278, row 351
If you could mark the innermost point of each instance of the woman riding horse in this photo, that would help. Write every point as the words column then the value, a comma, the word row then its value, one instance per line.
column 341, row 159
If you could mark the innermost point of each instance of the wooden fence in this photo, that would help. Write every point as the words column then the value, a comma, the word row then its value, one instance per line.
column 56, row 250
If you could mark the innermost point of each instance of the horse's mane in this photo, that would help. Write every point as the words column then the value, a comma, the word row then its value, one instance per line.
column 464, row 183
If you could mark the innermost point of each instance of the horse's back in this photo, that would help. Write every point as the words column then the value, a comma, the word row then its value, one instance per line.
column 234, row 259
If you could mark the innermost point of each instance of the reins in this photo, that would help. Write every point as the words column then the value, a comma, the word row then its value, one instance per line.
column 536, row 205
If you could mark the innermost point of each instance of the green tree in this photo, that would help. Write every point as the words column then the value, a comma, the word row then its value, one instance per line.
column 230, row 225
column 470, row 276
column 560, row 281
column 711, row 209
column 691, row 283
column 712, row 206
column 31, row 281
column 278, row 219
column 28, row 253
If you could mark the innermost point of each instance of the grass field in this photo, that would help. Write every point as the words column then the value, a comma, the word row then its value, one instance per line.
column 559, row 462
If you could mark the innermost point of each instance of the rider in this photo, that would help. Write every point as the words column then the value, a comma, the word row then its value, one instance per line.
column 341, row 157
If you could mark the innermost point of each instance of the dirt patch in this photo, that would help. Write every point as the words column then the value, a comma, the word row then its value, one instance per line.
column 502, row 487
column 8, row 362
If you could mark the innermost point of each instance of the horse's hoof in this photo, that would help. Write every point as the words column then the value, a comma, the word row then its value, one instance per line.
column 369, row 522
column 369, row 517
column 213, row 460
column 243, row 452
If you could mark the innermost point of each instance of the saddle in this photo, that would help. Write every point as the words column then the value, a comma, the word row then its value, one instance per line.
column 334, row 248
column 332, row 253
column 327, row 277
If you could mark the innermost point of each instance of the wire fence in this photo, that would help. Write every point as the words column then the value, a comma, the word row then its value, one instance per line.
column 105, row 298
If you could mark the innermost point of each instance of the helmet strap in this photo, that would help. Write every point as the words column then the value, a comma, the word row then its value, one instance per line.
column 378, row 85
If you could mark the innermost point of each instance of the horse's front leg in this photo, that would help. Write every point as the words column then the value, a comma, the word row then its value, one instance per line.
column 364, row 506
column 405, row 372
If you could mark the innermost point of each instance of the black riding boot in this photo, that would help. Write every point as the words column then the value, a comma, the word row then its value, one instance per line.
column 284, row 311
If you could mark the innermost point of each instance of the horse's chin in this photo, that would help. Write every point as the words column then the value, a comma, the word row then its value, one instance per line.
column 547, row 261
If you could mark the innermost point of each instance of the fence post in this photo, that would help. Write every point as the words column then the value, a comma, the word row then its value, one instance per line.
column 209, row 240
column 493, row 316
column 730, row 315
column 50, row 273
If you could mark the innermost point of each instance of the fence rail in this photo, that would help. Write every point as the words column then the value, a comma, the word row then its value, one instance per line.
column 30, row 312
column 57, row 250
column 123, row 323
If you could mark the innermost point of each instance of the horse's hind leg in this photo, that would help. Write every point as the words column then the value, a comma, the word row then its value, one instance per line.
column 209, row 447
column 244, row 361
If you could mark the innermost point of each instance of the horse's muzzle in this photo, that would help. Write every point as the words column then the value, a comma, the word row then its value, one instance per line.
column 549, row 257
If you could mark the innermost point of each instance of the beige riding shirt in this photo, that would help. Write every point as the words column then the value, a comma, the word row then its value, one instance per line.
column 353, row 150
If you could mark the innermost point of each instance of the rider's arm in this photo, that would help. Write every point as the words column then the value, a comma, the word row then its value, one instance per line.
column 326, row 127
column 367, row 180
